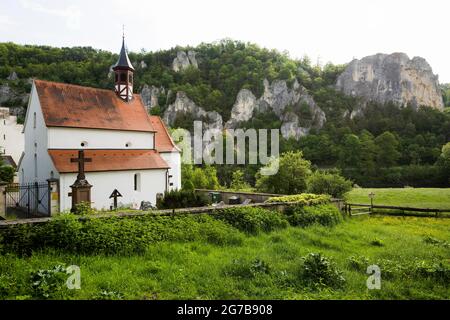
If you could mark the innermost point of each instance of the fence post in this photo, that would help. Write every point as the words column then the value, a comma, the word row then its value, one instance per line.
column 53, row 196
column 3, row 198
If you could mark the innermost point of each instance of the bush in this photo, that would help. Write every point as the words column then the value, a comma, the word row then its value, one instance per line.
column 252, row 220
column 246, row 269
column 181, row 199
column 305, row 199
column 318, row 271
column 326, row 215
column 116, row 235
column 328, row 183
column 51, row 283
column 7, row 173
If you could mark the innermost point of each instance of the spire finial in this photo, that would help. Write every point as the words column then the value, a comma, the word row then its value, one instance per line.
column 123, row 31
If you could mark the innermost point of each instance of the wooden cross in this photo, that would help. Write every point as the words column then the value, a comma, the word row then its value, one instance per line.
column 116, row 194
column 81, row 161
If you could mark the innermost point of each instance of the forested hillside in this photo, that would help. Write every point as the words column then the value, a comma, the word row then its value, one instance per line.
column 383, row 145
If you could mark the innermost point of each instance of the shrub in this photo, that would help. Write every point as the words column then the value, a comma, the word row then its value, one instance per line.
column 302, row 199
column 318, row 271
column 116, row 235
column 246, row 269
column 50, row 283
column 108, row 295
column 181, row 199
column 331, row 183
column 326, row 215
column 252, row 220
column 84, row 208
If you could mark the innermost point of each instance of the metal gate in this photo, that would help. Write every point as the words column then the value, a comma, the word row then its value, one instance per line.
column 28, row 200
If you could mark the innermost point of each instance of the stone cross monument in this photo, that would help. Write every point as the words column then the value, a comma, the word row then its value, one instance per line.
column 81, row 189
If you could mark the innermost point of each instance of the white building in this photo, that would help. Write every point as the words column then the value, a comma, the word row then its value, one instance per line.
column 130, row 150
column 11, row 136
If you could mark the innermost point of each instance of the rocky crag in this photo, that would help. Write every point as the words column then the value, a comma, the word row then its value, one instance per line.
column 184, row 60
column 284, row 102
column 392, row 78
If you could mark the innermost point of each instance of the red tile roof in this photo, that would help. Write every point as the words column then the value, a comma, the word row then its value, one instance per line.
column 108, row 160
column 163, row 141
column 67, row 105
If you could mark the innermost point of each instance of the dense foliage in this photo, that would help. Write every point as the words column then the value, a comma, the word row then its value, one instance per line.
column 377, row 147
column 132, row 234
column 181, row 199
column 328, row 182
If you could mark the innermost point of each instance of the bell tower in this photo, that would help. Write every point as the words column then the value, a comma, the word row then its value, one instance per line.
column 123, row 73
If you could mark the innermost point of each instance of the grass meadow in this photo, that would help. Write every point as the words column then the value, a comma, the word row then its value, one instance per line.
column 413, row 254
column 435, row 198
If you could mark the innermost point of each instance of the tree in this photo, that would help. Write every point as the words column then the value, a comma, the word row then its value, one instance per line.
column 238, row 182
column 350, row 152
column 198, row 177
column 386, row 148
column 328, row 182
column 444, row 161
column 7, row 173
column 368, row 153
column 291, row 176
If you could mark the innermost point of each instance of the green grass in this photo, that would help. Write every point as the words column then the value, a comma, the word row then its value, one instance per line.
column 201, row 270
column 434, row 198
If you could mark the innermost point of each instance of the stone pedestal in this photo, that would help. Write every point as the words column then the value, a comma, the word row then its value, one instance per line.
column 81, row 193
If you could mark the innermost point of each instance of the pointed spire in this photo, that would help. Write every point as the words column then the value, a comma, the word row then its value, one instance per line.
column 123, row 61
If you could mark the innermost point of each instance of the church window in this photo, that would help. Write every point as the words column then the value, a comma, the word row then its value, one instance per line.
column 123, row 77
column 117, row 77
column 128, row 144
column 84, row 144
column 130, row 78
column 35, row 166
column 137, row 182
column 34, row 120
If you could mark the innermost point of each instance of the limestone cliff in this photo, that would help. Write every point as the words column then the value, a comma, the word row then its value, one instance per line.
column 183, row 60
column 392, row 78
column 285, row 103
column 277, row 97
column 150, row 96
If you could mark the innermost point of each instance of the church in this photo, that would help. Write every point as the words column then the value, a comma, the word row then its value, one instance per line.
column 129, row 150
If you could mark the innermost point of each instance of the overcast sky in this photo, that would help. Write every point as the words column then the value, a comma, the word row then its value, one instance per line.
column 325, row 30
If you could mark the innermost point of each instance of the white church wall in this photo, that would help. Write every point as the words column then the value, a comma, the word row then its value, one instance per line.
column 36, row 165
column 173, row 159
column 104, row 183
column 12, row 140
column 71, row 138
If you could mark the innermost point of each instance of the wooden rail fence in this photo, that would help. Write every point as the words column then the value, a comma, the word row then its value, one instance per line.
column 356, row 209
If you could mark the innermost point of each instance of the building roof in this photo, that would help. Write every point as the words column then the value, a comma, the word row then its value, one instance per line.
column 123, row 61
column 163, row 141
column 108, row 160
column 67, row 105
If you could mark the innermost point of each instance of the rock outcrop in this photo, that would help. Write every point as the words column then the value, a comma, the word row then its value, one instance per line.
column 392, row 78
column 185, row 106
column 285, row 103
column 150, row 96
column 183, row 60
